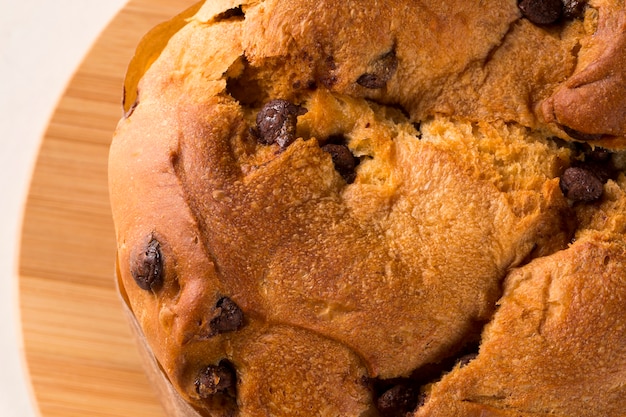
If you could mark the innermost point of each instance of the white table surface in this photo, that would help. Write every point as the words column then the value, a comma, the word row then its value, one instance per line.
column 42, row 42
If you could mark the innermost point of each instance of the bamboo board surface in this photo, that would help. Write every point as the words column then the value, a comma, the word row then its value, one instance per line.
column 79, row 351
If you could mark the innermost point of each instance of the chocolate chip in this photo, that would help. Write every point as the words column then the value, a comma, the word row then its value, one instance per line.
column 541, row 12
column 575, row 134
column 602, row 170
column 217, row 379
column 573, row 9
column 380, row 72
column 399, row 400
column 276, row 122
column 229, row 317
column 345, row 163
column 580, row 184
column 147, row 269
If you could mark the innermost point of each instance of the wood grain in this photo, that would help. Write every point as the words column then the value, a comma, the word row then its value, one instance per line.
column 79, row 351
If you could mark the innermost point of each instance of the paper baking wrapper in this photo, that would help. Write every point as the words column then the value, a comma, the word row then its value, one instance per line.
column 174, row 404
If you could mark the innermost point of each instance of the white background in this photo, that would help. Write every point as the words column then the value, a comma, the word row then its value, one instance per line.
column 42, row 42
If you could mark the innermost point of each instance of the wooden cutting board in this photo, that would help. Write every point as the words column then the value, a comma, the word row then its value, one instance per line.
column 80, row 355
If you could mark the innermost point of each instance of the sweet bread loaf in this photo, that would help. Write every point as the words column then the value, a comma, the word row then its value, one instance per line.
column 380, row 208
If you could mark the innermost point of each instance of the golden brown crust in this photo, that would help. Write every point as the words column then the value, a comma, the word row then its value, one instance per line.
column 555, row 346
column 267, row 281
column 593, row 100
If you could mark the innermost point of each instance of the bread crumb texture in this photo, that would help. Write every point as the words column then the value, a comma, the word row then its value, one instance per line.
column 390, row 208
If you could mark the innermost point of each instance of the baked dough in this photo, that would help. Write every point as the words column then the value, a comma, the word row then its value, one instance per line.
column 347, row 208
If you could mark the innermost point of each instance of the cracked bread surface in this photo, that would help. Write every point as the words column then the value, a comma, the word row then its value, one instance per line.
column 321, row 206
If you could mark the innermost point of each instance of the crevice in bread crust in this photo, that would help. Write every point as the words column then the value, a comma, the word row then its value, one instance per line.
column 235, row 13
column 536, row 287
column 177, row 160
column 492, row 52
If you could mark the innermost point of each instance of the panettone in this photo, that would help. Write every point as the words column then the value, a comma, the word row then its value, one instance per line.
column 379, row 208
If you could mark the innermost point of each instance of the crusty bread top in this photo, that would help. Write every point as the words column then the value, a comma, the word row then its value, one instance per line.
column 425, row 176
